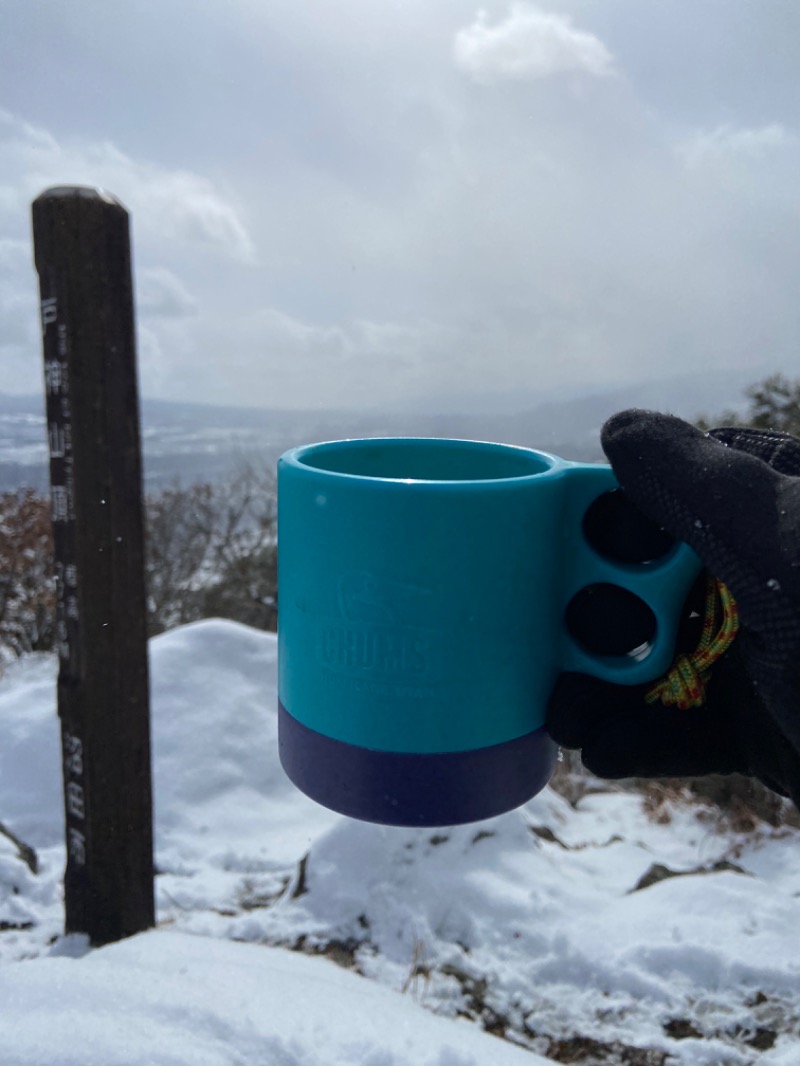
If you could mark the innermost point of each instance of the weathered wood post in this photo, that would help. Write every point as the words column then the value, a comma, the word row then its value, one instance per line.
column 82, row 253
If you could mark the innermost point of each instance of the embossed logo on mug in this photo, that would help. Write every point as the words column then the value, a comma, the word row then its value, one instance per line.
column 378, row 634
column 366, row 597
column 377, row 651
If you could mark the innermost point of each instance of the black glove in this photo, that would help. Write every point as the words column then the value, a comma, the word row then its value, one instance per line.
column 734, row 496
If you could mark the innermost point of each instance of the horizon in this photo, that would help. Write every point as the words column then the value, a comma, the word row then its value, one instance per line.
column 194, row 441
column 731, row 392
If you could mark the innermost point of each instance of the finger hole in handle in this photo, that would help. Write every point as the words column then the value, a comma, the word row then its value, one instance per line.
column 620, row 532
column 606, row 620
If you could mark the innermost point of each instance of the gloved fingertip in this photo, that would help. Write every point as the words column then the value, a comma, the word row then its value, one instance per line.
column 640, row 435
column 633, row 418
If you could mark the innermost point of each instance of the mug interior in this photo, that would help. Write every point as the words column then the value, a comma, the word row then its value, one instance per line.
column 420, row 459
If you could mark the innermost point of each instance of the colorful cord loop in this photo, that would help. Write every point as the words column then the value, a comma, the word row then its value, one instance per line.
column 684, row 686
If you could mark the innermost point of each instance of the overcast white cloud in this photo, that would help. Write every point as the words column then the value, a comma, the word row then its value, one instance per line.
column 15, row 298
column 161, row 294
column 729, row 141
column 177, row 205
column 528, row 43
column 370, row 203
column 327, row 364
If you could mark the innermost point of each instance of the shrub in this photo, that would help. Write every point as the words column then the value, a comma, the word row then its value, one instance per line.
column 774, row 404
column 211, row 550
column 27, row 581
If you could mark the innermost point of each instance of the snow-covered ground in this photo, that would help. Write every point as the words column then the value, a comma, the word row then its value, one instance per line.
column 290, row 936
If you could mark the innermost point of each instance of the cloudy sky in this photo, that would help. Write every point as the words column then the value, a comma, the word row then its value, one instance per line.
column 380, row 202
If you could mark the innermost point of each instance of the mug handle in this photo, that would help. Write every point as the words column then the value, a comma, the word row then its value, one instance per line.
column 662, row 585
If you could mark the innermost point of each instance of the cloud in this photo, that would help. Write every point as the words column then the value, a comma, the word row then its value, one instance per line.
column 188, row 206
column 10, row 202
column 20, row 353
column 177, row 205
column 18, row 297
column 360, row 343
column 343, row 363
column 161, row 294
column 13, row 255
column 417, row 235
column 528, row 44
column 281, row 334
column 728, row 141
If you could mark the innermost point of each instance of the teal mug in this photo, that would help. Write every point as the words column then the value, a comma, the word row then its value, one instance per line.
column 430, row 592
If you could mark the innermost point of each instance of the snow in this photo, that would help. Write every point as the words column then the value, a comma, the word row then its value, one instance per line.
column 289, row 935
column 170, row 998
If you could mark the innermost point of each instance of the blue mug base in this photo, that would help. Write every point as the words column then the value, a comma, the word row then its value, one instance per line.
column 408, row 789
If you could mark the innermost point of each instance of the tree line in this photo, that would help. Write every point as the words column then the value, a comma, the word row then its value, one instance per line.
column 211, row 551
column 773, row 403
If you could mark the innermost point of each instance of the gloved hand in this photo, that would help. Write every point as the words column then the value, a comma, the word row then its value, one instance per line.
column 734, row 496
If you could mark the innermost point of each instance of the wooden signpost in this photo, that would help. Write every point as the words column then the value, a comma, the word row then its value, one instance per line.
column 82, row 253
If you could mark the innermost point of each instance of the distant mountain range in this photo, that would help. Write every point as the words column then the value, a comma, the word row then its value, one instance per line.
column 195, row 442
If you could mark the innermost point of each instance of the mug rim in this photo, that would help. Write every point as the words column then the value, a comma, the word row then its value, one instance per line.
column 548, row 464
